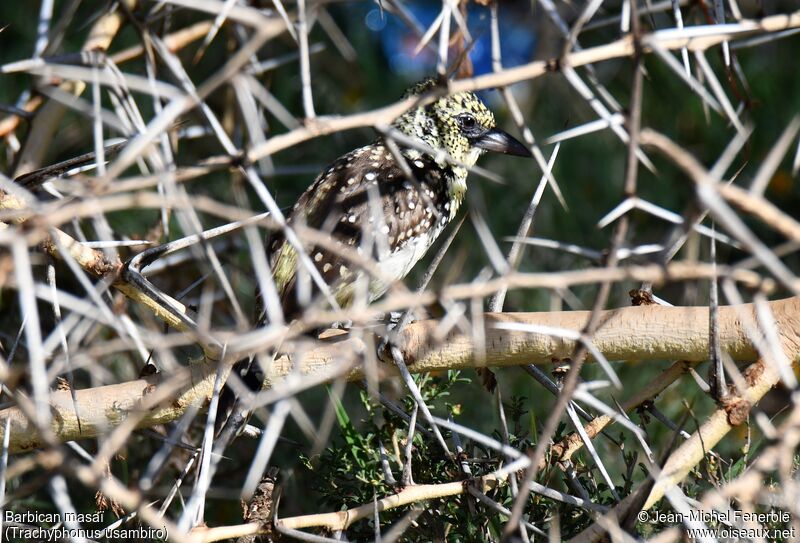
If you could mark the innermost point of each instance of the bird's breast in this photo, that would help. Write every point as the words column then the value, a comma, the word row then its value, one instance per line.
column 396, row 264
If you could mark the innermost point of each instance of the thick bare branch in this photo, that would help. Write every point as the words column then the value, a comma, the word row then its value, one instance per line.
column 644, row 333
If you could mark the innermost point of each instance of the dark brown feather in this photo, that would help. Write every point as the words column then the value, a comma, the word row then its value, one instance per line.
column 338, row 203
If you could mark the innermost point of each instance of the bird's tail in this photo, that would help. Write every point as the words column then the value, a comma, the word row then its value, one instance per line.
column 232, row 415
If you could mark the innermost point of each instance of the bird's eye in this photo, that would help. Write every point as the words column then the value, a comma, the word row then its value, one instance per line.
column 467, row 122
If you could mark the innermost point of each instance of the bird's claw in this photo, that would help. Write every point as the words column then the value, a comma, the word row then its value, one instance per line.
column 385, row 350
column 393, row 319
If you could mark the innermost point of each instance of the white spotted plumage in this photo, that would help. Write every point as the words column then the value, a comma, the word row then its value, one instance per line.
column 368, row 206
column 367, row 183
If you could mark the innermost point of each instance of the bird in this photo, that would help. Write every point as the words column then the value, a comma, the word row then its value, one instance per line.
column 365, row 202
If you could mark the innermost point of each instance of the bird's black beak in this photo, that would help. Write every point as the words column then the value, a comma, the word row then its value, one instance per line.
column 501, row 142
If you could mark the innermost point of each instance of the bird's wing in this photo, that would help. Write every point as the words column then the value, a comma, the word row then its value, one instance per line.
column 363, row 196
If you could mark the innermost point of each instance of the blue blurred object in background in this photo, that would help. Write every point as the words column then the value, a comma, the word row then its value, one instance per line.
column 399, row 42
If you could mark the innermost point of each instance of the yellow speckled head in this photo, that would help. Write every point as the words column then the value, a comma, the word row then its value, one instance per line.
column 460, row 124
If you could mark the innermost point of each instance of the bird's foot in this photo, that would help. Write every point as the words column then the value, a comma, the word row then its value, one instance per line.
column 385, row 348
column 393, row 319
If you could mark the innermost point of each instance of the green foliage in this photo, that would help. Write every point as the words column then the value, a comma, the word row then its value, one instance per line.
column 348, row 473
